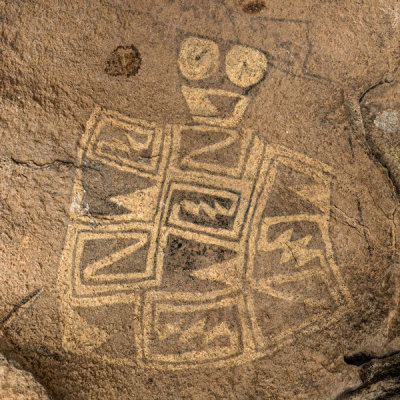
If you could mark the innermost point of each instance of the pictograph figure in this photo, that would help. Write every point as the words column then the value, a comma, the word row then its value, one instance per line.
column 214, row 245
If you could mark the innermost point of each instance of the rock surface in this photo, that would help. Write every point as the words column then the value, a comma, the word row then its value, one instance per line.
column 16, row 384
column 199, row 199
column 380, row 378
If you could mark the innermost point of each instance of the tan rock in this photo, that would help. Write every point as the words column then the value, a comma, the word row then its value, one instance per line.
column 199, row 199
column 17, row 384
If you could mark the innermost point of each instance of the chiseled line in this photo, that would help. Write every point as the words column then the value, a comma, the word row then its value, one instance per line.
column 21, row 308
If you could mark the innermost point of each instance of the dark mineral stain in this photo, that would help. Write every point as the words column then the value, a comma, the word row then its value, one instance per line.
column 254, row 7
column 124, row 60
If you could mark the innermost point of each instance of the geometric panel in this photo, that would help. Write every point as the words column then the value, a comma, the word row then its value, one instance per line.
column 193, row 332
column 112, row 261
column 219, row 261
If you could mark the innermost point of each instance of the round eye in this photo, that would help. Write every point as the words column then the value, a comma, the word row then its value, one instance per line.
column 245, row 66
column 198, row 58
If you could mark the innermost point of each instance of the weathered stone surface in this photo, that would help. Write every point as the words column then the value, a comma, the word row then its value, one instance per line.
column 17, row 384
column 199, row 199
column 380, row 378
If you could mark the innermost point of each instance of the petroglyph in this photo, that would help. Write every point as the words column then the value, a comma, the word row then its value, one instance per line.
column 197, row 248
column 198, row 58
column 245, row 66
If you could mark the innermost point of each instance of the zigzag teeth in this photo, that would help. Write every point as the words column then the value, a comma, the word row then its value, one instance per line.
column 212, row 212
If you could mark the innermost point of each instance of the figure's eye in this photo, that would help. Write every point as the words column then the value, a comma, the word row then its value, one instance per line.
column 198, row 58
column 245, row 66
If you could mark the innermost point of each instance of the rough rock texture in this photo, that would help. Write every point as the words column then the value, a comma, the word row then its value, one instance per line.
column 16, row 384
column 380, row 377
column 199, row 199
